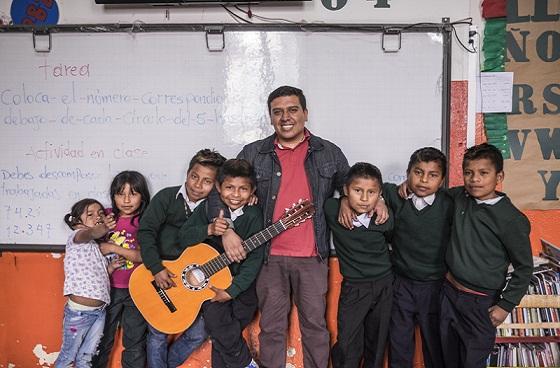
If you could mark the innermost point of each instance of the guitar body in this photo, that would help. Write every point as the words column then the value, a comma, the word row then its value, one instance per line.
column 199, row 267
column 186, row 298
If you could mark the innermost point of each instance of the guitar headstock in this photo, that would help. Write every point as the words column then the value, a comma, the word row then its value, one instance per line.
column 298, row 213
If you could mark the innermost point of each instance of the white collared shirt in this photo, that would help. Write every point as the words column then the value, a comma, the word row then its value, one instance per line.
column 491, row 201
column 236, row 213
column 421, row 202
column 192, row 205
column 362, row 220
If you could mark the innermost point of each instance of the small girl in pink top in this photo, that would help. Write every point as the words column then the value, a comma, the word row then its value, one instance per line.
column 129, row 198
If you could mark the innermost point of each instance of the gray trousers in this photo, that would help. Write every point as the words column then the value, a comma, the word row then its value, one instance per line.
column 305, row 279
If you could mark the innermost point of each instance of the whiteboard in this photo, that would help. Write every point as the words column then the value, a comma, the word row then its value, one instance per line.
column 100, row 103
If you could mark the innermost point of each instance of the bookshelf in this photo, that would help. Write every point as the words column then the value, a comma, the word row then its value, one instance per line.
column 530, row 336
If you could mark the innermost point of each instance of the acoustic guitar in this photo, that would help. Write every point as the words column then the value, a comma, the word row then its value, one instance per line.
column 199, row 266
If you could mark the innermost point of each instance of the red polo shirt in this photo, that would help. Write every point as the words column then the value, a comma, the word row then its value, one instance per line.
column 298, row 241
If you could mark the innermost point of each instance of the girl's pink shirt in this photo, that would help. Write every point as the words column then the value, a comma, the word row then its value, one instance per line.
column 124, row 235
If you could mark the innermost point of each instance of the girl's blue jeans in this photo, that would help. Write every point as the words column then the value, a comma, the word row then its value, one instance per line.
column 82, row 331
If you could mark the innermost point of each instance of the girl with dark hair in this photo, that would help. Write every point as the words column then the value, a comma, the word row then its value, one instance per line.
column 129, row 198
column 86, row 283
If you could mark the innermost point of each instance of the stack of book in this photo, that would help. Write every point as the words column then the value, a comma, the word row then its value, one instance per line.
column 530, row 335
column 545, row 281
column 525, row 355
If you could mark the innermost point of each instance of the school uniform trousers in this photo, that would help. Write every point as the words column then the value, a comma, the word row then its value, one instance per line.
column 225, row 323
column 415, row 303
column 467, row 334
column 364, row 310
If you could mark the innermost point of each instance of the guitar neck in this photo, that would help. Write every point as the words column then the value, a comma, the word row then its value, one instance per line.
column 217, row 263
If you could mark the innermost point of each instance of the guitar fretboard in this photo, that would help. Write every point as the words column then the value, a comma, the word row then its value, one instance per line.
column 217, row 263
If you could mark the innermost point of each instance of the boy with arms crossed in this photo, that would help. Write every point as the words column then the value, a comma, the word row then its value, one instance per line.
column 158, row 236
column 365, row 300
column 422, row 229
column 231, row 310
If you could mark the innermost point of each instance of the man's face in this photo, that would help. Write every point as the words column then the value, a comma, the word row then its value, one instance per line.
column 288, row 118
column 199, row 182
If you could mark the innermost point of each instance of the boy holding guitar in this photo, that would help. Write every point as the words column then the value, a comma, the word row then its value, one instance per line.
column 231, row 309
column 157, row 234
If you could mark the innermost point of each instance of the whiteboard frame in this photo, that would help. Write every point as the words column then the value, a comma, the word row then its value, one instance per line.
column 444, row 28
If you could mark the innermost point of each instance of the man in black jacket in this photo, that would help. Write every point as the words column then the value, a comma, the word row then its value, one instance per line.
column 292, row 164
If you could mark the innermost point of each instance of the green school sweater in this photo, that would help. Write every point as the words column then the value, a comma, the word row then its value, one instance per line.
column 420, row 238
column 363, row 253
column 485, row 239
column 195, row 231
column 159, row 226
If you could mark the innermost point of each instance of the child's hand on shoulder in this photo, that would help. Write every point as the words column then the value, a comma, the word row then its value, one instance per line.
column 253, row 200
column 219, row 226
column 346, row 215
column 497, row 315
column 221, row 295
column 403, row 190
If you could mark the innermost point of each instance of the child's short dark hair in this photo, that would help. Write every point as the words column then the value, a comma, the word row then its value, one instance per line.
column 73, row 218
column 237, row 168
column 428, row 154
column 207, row 157
column 485, row 151
column 363, row 170
column 138, row 184
column 287, row 91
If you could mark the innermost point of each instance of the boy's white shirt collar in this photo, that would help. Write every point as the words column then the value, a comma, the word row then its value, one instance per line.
column 362, row 220
column 421, row 202
column 490, row 201
column 236, row 213
column 192, row 205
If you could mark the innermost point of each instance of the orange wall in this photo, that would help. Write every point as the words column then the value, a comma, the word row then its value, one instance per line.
column 31, row 301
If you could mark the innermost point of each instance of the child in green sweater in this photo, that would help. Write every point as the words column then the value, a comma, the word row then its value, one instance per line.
column 364, row 306
column 158, row 238
column 420, row 237
column 231, row 310
column 489, row 233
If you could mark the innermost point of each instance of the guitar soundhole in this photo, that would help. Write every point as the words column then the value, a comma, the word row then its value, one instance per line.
column 193, row 278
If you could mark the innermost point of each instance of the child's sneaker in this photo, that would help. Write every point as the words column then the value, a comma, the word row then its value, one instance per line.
column 253, row 364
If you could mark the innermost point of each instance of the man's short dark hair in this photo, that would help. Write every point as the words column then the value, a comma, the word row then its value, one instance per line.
column 428, row 154
column 363, row 170
column 207, row 157
column 485, row 151
column 287, row 91
column 237, row 168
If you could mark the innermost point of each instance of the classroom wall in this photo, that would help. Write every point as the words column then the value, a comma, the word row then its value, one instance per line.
column 354, row 11
column 31, row 299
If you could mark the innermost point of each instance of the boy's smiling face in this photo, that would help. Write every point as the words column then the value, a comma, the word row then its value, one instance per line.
column 425, row 178
column 235, row 192
column 363, row 194
column 480, row 178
